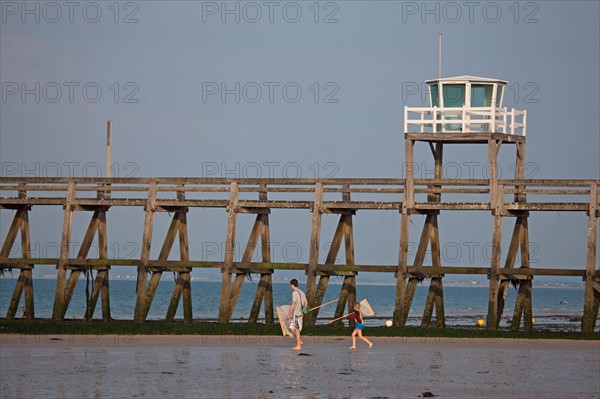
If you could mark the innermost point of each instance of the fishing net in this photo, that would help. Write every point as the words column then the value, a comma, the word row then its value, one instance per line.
column 282, row 311
column 365, row 308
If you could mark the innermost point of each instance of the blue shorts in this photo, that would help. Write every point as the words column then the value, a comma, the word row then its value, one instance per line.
column 359, row 326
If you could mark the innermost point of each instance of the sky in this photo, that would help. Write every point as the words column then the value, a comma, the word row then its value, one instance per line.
column 291, row 89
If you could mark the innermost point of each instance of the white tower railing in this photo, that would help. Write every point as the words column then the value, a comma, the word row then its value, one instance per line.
column 465, row 120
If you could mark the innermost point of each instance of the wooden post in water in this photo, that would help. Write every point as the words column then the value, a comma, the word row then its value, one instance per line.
column 315, row 239
column 229, row 254
column 20, row 224
column 246, row 258
column 100, row 287
column 591, row 300
column 142, row 277
column 264, row 290
column 497, row 204
column 348, row 291
column 435, row 296
column 343, row 232
column 183, row 280
column 519, row 241
column 57, row 310
column 86, row 244
column 402, row 306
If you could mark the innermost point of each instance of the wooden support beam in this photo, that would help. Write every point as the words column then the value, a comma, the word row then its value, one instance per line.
column 150, row 291
column 68, row 291
column 440, row 314
column 11, row 235
column 268, row 278
column 435, row 298
column 524, row 307
column 100, row 286
column 142, row 277
column 591, row 300
column 184, row 253
column 59, row 295
column 25, row 281
column 401, row 305
column 16, row 297
column 349, row 246
column 418, row 263
column 264, row 290
column 28, row 274
column 174, row 229
column 229, row 254
column 82, row 254
column 403, row 301
column 509, row 264
column 494, row 273
column 183, row 282
column 247, row 257
column 332, row 254
column 315, row 239
column 493, row 148
column 103, row 275
column 96, row 290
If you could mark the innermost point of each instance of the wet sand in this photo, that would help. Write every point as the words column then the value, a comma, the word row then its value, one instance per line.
column 265, row 367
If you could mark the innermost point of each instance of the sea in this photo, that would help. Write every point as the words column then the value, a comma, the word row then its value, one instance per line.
column 554, row 308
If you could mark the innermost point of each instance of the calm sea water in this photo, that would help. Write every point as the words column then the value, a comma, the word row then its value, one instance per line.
column 463, row 305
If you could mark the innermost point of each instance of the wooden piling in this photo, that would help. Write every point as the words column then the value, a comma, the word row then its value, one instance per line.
column 402, row 306
column 435, row 297
column 264, row 290
column 408, row 201
column 315, row 239
column 142, row 276
column 591, row 299
column 492, row 319
column 100, row 286
column 509, row 264
column 59, row 295
column 229, row 254
column 186, row 278
column 246, row 258
column 25, row 280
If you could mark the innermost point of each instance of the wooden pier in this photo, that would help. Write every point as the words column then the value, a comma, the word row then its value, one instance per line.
column 464, row 110
column 238, row 197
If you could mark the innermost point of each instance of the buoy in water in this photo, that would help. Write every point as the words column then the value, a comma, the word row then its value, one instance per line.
column 480, row 322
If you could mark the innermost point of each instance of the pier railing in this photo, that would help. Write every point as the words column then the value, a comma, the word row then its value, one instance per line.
column 382, row 194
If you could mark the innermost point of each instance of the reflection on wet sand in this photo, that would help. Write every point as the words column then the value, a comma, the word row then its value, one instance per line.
column 211, row 367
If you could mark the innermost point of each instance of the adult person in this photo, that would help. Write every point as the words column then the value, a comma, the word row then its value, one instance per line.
column 295, row 313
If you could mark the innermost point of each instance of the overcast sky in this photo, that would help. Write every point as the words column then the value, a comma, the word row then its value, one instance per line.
column 291, row 89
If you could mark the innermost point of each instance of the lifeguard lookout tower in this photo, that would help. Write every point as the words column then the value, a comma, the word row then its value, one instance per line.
column 473, row 104
column 463, row 110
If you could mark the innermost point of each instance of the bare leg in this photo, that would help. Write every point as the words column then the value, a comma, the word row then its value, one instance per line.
column 353, row 340
column 364, row 339
column 298, row 340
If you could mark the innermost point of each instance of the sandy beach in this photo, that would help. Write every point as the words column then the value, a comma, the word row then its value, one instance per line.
column 264, row 367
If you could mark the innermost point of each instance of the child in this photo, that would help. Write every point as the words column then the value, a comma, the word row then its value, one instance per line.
column 358, row 327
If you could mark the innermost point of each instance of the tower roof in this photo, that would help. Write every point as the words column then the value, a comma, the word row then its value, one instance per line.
column 466, row 78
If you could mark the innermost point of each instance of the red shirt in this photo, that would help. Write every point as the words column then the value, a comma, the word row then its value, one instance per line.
column 357, row 316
